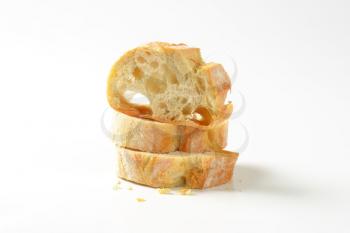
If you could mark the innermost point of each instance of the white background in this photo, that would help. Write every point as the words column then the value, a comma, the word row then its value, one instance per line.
column 57, row 169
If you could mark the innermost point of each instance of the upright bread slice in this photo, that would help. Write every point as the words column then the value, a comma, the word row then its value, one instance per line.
column 180, row 87
column 157, row 137
column 176, row 169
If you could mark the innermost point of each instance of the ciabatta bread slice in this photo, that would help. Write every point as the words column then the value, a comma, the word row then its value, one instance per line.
column 152, row 136
column 191, row 170
column 180, row 86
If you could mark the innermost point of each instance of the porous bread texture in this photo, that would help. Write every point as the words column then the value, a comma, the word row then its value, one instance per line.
column 191, row 170
column 152, row 136
column 179, row 85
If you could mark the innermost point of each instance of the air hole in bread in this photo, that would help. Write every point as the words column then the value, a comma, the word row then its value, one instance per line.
column 155, row 86
column 162, row 105
column 141, row 60
column 148, row 53
column 202, row 116
column 200, row 84
column 136, row 98
column 184, row 100
column 187, row 109
column 173, row 79
column 137, row 73
column 170, row 75
column 197, row 117
column 154, row 64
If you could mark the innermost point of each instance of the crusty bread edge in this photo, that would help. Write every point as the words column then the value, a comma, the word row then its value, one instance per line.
column 157, row 137
column 197, row 171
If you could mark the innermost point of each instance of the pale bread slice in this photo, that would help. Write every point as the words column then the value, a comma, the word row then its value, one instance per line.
column 191, row 170
column 157, row 137
column 181, row 88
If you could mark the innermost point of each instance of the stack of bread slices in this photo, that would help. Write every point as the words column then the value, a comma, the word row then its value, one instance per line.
column 178, row 137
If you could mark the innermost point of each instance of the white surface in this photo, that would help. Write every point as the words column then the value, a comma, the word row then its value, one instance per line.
column 57, row 168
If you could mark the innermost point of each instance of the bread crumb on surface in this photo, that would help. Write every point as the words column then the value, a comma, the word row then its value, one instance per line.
column 164, row 191
column 185, row 191
column 129, row 188
column 118, row 182
column 116, row 187
column 139, row 199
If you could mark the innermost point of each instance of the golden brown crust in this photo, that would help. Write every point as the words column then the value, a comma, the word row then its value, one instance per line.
column 157, row 137
column 177, row 169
